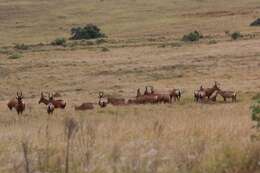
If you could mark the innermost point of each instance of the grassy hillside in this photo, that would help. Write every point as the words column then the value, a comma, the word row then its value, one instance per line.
column 35, row 21
column 143, row 47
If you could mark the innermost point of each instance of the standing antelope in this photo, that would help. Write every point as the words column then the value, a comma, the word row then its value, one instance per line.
column 210, row 91
column 176, row 94
column 17, row 103
column 143, row 99
column 102, row 102
column 228, row 94
column 56, row 103
column 161, row 98
column 50, row 108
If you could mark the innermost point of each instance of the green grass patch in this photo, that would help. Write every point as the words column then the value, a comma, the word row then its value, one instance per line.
column 15, row 56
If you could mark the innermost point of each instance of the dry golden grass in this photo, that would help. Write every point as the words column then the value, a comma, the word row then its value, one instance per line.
column 144, row 49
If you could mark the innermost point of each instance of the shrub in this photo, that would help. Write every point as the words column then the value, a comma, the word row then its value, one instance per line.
column 15, row 56
column 256, row 22
column 256, row 113
column 193, row 36
column 90, row 31
column 21, row 46
column 236, row 35
column 104, row 49
column 59, row 41
column 256, row 97
column 100, row 41
column 213, row 42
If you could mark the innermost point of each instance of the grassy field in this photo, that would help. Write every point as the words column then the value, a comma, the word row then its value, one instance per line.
column 143, row 47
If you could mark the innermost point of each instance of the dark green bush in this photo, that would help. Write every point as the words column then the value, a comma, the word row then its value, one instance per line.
column 90, row 31
column 59, row 41
column 236, row 35
column 193, row 36
column 256, row 22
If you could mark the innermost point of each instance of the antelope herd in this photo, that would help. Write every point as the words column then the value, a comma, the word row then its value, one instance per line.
column 149, row 96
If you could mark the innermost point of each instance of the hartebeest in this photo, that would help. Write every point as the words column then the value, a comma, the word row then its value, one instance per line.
column 143, row 99
column 57, row 103
column 85, row 106
column 102, row 102
column 199, row 95
column 228, row 95
column 210, row 91
column 161, row 97
column 113, row 100
column 50, row 108
column 17, row 103
column 175, row 94
column 146, row 92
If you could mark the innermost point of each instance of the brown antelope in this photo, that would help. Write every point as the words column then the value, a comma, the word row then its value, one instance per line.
column 210, row 91
column 85, row 106
column 228, row 95
column 17, row 103
column 146, row 92
column 113, row 100
column 57, row 103
column 50, row 108
column 175, row 94
column 199, row 95
column 138, row 93
column 102, row 102
column 161, row 98
column 143, row 99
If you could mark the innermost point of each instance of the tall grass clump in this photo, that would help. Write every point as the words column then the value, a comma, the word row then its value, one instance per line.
column 90, row 31
column 71, row 127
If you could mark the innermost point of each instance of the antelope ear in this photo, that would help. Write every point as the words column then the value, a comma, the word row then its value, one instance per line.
column 17, row 94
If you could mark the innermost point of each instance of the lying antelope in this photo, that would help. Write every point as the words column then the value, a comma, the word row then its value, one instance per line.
column 85, row 106
column 17, row 103
column 113, row 100
column 228, row 95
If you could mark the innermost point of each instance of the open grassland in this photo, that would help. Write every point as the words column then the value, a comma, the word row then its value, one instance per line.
column 144, row 48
